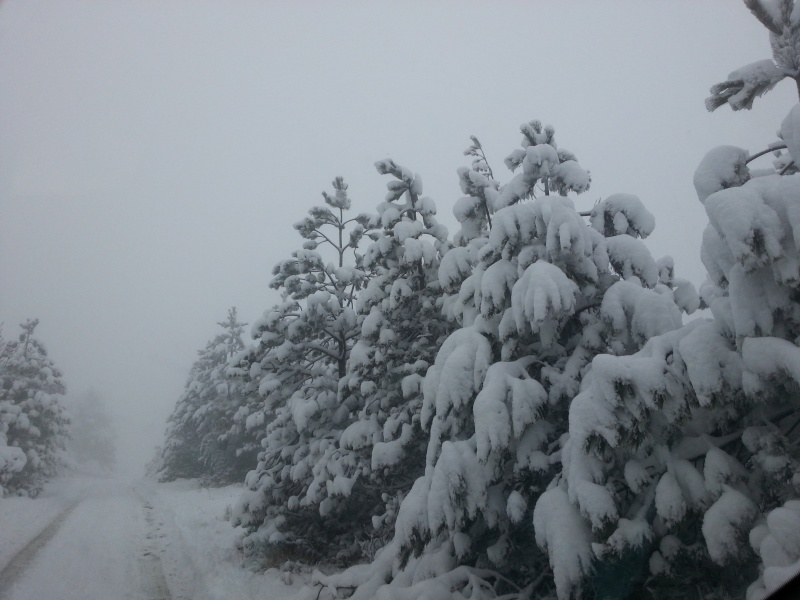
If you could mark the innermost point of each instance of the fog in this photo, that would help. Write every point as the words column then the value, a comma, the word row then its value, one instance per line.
column 154, row 155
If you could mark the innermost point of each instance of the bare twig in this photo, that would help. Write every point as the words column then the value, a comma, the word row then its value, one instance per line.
column 763, row 152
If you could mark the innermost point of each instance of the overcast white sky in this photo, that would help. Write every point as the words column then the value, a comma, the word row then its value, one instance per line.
column 153, row 155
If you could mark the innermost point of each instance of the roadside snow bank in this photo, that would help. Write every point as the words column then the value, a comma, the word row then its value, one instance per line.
column 198, row 547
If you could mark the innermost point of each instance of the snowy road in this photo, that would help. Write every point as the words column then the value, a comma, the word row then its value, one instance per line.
column 105, row 545
column 106, row 539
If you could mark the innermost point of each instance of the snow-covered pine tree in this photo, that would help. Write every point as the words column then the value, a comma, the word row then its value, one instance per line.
column 33, row 424
column 548, row 293
column 545, row 166
column 227, row 457
column 198, row 441
column 474, row 212
column 382, row 451
column 269, row 375
column 299, row 356
column 680, row 475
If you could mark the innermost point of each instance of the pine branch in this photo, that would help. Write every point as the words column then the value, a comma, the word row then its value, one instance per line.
column 762, row 14
column 745, row 86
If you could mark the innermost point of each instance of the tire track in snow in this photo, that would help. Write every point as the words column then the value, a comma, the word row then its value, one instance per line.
column 22, row 560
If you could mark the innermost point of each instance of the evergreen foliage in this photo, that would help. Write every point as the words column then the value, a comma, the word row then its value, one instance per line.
column 547, row 293
column 523, row 413
column 740, row 89
column 300, row 353
column 199, row 442
column 692, row 441
column 381, row 451
column 33, row 424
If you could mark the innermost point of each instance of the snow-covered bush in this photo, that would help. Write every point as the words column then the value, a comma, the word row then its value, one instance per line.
column 33, row 423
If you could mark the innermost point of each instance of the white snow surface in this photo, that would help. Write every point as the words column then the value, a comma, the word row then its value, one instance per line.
column 120, row 536
column 628, row 214
column 725, row 524
column 761, row 75
column 721, row 168
column 561, row 531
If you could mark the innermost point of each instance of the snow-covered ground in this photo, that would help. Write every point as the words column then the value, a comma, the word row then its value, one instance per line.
column 107, row 538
